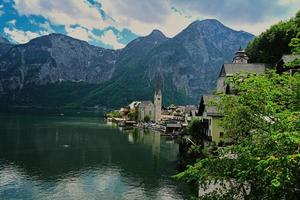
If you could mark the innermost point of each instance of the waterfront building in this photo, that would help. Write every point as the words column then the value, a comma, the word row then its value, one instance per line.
column 210, row 118
column 208, row 113
column 145, row 108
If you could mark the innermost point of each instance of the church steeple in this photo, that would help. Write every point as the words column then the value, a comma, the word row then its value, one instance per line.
column 240, row 56
column 157, row 99
column 158, row 84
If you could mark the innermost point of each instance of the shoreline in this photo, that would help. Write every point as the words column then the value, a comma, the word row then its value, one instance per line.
column 160, row 128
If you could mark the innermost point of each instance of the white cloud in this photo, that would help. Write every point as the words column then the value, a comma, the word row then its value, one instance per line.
column 67, row 12
column 142, row 16
column 45, row 25
column 12, row 22
column 254, row 16
column 21, row 36
column 256, row 28
column 111, row 39
column 79, row 33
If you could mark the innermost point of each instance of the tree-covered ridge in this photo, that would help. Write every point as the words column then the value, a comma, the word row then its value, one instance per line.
column 273, row 43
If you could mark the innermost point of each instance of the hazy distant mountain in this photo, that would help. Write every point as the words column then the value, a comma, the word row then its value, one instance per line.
column 188, row 64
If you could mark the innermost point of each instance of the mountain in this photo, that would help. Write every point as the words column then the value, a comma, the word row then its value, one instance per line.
column 188, row 65
column 67, row 72
column 5, row 45
column 54, row 58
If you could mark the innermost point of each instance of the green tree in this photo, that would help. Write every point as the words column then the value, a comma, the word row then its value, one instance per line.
column 264, row 121
column 194, row 130
column 295, row 44
column 146, row 118
column 269, row 46
column 295, row 47
column 114, row 113
column 133, row 115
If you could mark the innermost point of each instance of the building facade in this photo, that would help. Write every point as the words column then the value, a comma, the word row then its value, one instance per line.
column 239, row 65
column 207, row 112
column 146, row 109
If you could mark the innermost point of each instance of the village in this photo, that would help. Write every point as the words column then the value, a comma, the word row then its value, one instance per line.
column 172, row 120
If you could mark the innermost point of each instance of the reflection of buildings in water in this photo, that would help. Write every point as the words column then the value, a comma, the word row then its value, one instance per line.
column 160, row 147
column 147, row 138
column 156, row 145
column 169, row 151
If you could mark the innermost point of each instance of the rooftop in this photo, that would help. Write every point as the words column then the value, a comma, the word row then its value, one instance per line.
column 289, row 57
column 145, row 103
column 230, row 69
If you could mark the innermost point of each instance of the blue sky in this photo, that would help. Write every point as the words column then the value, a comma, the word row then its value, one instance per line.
column 114, row 23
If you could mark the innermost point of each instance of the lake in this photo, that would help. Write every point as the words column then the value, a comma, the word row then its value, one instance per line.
column 59, row 158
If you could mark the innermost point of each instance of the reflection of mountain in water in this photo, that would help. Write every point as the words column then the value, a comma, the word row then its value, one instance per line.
column 51, row 147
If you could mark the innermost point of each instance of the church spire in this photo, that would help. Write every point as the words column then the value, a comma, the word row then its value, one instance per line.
column 158, row 89
column 158, row 99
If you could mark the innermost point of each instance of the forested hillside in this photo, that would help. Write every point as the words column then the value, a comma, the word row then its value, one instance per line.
column 273, row 43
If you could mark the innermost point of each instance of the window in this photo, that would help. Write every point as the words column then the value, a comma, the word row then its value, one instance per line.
column 221, row 134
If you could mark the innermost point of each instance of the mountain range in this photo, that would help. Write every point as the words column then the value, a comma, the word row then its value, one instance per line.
column 59, row 71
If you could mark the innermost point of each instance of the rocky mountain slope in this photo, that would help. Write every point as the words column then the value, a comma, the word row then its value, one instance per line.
column 188, row 64
column 5, row 46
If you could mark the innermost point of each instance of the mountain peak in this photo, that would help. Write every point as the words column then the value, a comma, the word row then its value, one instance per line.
column 156, row 34
column 206, row 23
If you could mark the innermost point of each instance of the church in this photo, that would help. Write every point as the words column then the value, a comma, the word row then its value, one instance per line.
column 149, row 109
column 157, row 101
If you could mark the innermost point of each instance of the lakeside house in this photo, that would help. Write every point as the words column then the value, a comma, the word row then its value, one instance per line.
column 146, row 109
column 210, row 119
column 208, row 113
column 170, row 120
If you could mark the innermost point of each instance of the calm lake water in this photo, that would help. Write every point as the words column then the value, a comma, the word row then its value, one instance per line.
column 61, row 158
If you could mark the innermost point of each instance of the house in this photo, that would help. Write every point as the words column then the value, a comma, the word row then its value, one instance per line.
column 189, row 113
column 133, row 105
column 173, row 127
column 207, row 112
column 280, row 66
column 210, row 119
column 146, row 108
column 229, row 69
column 239, row 65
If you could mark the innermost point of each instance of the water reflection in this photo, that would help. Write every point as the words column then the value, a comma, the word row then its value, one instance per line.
column 81, row 158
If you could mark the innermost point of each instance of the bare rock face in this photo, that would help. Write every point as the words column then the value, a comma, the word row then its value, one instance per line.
column 188, row 63
column 54, row 58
